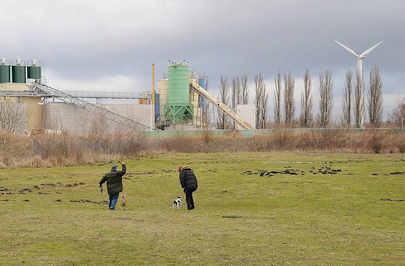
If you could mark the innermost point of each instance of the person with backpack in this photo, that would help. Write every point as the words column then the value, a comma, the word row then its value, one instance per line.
column 188, row 182
column 114, row 184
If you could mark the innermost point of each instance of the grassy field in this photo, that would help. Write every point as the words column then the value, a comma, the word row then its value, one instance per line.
column 322, row 209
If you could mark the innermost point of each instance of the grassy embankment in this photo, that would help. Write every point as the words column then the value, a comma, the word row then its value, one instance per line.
column 351, row 217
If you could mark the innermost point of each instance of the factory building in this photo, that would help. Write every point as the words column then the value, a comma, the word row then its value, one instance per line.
column 55, row 111
column 16, row 93
column 181, row 99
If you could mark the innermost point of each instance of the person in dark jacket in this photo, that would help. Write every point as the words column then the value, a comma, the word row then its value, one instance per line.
column 114, row 184
column 188, row 181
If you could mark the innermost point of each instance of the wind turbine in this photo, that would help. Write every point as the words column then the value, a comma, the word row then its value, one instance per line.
column 360, row 57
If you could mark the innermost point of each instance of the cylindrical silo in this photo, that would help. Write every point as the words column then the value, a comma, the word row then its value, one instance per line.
column 34, row 71
column 162, row 89
column 19, row 73
column 4, row 72
column 179, row 79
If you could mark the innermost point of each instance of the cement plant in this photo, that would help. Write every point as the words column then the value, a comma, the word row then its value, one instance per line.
column 180, row 101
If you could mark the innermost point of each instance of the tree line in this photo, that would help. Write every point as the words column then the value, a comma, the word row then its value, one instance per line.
column 360, row 104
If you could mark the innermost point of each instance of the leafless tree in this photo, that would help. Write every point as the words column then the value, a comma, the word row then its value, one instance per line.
column 398, row 115
column 236, row 87
column 261, row 101
column 258, row 95
column 289, row 104
column 375, row 98
column 347, row 100
column 12, row 117
column 326, row 98
column 205, row 120
column 224, row 97
column 244, row 90
column 236, row 97
column 306, row 101
column 358, row 102
column 264, row 107
column 277, row 99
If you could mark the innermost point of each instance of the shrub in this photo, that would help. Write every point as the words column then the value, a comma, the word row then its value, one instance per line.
column 375, row 143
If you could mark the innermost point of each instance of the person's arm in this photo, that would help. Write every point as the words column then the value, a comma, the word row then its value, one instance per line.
column 123, row 169
column 103, row 179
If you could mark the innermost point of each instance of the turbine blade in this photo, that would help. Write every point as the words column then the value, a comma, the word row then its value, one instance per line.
column 366, row 52
column 347, row 49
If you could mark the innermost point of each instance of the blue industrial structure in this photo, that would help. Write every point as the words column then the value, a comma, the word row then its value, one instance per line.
column 202, row 81
column 157, row 106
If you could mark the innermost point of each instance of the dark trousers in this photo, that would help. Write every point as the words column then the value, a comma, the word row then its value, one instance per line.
column 189, row 198
column 113, row 200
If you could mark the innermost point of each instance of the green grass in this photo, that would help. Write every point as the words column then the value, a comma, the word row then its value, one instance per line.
column 239, row 219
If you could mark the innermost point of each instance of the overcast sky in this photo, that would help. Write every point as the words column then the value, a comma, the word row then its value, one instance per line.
column 110, row 45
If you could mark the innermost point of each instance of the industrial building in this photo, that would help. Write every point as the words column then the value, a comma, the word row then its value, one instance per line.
column 181, row 99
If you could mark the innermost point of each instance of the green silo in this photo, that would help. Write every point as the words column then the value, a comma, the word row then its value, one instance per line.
column 179, row 75
column 34, row 72
column 178, row 108
column 4, row 73
column 19, row 74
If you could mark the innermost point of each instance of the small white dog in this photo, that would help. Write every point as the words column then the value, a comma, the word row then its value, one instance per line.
column 178, row 203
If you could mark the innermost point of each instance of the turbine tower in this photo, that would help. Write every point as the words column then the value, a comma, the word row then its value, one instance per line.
column 360, row 57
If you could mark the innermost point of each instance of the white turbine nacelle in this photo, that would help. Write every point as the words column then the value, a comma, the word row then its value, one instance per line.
column 360, row 57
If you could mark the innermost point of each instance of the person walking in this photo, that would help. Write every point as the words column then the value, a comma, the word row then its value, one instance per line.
column 188, row 182
column 114, row 184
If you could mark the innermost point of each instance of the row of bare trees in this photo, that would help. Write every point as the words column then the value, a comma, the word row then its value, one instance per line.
column 353, row 108
column 357, row 107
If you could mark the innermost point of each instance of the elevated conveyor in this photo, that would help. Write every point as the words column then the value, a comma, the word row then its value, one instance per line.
column 69, row 99
column 224, row 108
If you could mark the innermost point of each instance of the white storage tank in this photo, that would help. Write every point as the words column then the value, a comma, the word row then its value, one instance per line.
column 248, row 113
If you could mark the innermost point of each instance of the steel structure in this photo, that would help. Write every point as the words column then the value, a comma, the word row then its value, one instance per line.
column 5, row 93
column 220, row 105
column 42, row 89
column 106, row 94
